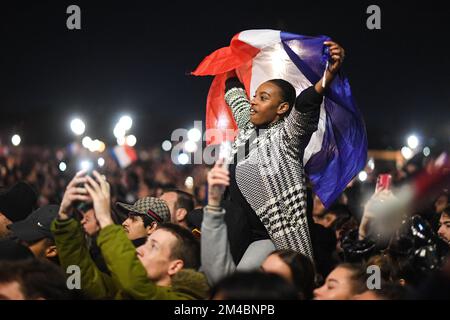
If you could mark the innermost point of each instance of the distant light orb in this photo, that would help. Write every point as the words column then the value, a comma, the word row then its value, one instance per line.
column 86, row 142
column 190, row 146
column 62, row 166
column 407, row 153
column 101, row 162
column 131, row 140
column 183, row 158
column 426, row 151
column 189, row 182
column 194, row 135
column 371, row 164
column 362, row 176
column 166, row 145
column 77, row 126
column 119, row 132
column 16, row 140
column 125, row 122
column 413, row 141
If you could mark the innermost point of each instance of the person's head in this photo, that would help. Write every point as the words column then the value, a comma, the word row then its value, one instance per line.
column 144, row 216
column 16, row 203
column 441, row 202
column 14, row 251
column 273, row 100
column 89, row 222
column 343, row 283
column 34, row 232
column 34, row 279
column 169, row 249
column 295, row 268
column 330, row 216
column 180, row 203
column 253, row 285
column 444, row 225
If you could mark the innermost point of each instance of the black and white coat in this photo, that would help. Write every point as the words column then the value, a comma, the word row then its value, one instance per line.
column 271, row 177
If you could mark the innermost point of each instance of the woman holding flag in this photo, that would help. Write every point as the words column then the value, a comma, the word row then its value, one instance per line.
column 266, row 175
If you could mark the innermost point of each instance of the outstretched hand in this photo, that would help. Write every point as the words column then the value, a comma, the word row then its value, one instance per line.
column 337, row 54
column 72, row 194
column 218, row 180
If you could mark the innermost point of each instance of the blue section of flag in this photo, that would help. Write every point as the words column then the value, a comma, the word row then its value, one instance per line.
column 343, row 152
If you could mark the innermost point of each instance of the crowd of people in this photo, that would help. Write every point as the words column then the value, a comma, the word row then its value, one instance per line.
column 249, row 227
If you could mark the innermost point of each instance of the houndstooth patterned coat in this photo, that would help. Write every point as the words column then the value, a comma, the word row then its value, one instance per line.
column 271, row 177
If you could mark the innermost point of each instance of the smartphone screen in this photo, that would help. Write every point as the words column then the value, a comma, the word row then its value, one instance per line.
column 383, row 182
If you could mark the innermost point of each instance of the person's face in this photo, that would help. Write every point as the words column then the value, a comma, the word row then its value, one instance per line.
column 338, row 286
column 441, row 203
column 444, row 228
column 171, row 199
column 42, row 249
column 318, row 207
column 4, row 223
column 155, row 256
column 274, row 264
column 11, row 291
column 267, row 104
column 134, row 227
column 326, row 220
column 90, row 223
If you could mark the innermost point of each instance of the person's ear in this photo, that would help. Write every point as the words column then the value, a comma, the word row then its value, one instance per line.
column 180, row 214
column 283, row 108
column 51, row 252
column 151, row 228
column 175, row 266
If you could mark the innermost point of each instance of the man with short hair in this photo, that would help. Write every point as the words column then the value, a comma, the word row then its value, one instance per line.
column 444, row 225
column 180, row 204
column 16, row 204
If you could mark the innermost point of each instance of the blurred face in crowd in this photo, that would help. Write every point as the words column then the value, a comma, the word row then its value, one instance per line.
column 177, row 215
column 444, row 227
column 326, row 220
column 4, row 222
column 318, row 209
column 441, row 203
column 274, row 264
column 338, row 286
column 155, row 256
column 135, row 228
column 90, row 223
column 44, row 248
column 11, row 291
column 267, row 105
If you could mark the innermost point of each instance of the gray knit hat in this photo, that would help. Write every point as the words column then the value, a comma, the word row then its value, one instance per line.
column 154, row 208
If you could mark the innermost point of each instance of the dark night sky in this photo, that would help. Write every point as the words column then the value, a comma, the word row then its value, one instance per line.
column 133, row 56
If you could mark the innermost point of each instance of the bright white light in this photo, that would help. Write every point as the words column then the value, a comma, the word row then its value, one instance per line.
column 362, row 176
column 85, row 165
column 371, row 164
column 120, row 141
column 190, row 146
column 15, row 140
column 131, row 140
column 413, row 141
column 119, row 131
column 426, row 151
column 194, row 135
column 101, row 162
column 95, row 146
column 125, row 122
column 86, row 142
column 77, row 126
column 62, row 166
column 407, row 153
column 166, row 145
column 183, row 158
column 189, row 183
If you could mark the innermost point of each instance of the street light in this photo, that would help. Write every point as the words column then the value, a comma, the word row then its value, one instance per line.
column 131, row 140
column 125, row 122
column 15, row 140
column 166, row 145
column 413, row 141
column 407, row 153
column 77, row 126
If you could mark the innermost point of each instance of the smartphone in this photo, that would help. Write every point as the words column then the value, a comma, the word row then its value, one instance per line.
column 384, row 182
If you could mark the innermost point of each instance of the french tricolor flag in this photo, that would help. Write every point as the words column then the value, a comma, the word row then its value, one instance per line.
column 338, row 149
column 124, row 155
